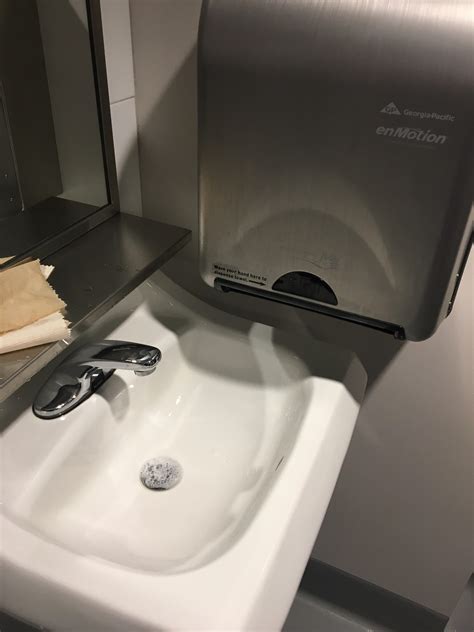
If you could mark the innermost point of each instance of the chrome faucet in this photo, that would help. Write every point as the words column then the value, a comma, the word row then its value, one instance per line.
column 85, row 371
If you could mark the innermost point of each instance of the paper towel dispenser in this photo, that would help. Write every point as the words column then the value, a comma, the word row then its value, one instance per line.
column 336, row 155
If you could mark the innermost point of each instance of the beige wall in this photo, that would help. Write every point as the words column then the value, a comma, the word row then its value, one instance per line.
column 401, row 515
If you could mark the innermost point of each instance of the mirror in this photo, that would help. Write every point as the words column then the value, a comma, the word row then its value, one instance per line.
column 53, row 171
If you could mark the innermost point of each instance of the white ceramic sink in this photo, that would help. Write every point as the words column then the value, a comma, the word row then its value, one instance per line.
column 259, row 422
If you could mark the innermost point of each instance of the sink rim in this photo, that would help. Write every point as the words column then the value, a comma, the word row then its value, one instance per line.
column 259, row 568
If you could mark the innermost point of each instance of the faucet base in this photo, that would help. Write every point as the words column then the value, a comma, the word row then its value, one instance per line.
column 74, row 391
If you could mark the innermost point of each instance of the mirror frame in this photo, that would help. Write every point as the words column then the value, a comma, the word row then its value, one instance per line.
column 49, row 245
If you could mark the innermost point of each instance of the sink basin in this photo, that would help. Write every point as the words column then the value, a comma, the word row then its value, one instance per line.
column 229, row 419
column 259, row 422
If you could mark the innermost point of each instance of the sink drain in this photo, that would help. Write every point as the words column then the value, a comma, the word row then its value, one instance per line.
column 161, row 473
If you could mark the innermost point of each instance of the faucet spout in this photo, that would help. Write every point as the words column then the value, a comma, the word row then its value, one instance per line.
column 85, row 371
column 119, row 354
column 144, row 372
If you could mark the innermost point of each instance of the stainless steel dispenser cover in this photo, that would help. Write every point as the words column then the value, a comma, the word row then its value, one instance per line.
column 335, row 155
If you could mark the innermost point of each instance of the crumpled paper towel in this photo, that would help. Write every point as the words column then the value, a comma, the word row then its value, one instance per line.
column 30, row 310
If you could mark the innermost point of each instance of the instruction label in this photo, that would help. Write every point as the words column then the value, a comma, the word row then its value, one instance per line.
column 236, row 274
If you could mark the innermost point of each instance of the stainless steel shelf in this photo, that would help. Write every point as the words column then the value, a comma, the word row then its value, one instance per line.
column 91, row 274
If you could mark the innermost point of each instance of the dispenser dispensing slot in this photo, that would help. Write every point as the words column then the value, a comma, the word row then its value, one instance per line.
column 225, row 285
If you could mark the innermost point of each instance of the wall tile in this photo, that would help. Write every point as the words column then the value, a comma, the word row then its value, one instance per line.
column 124, row 127
column 118, row 49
